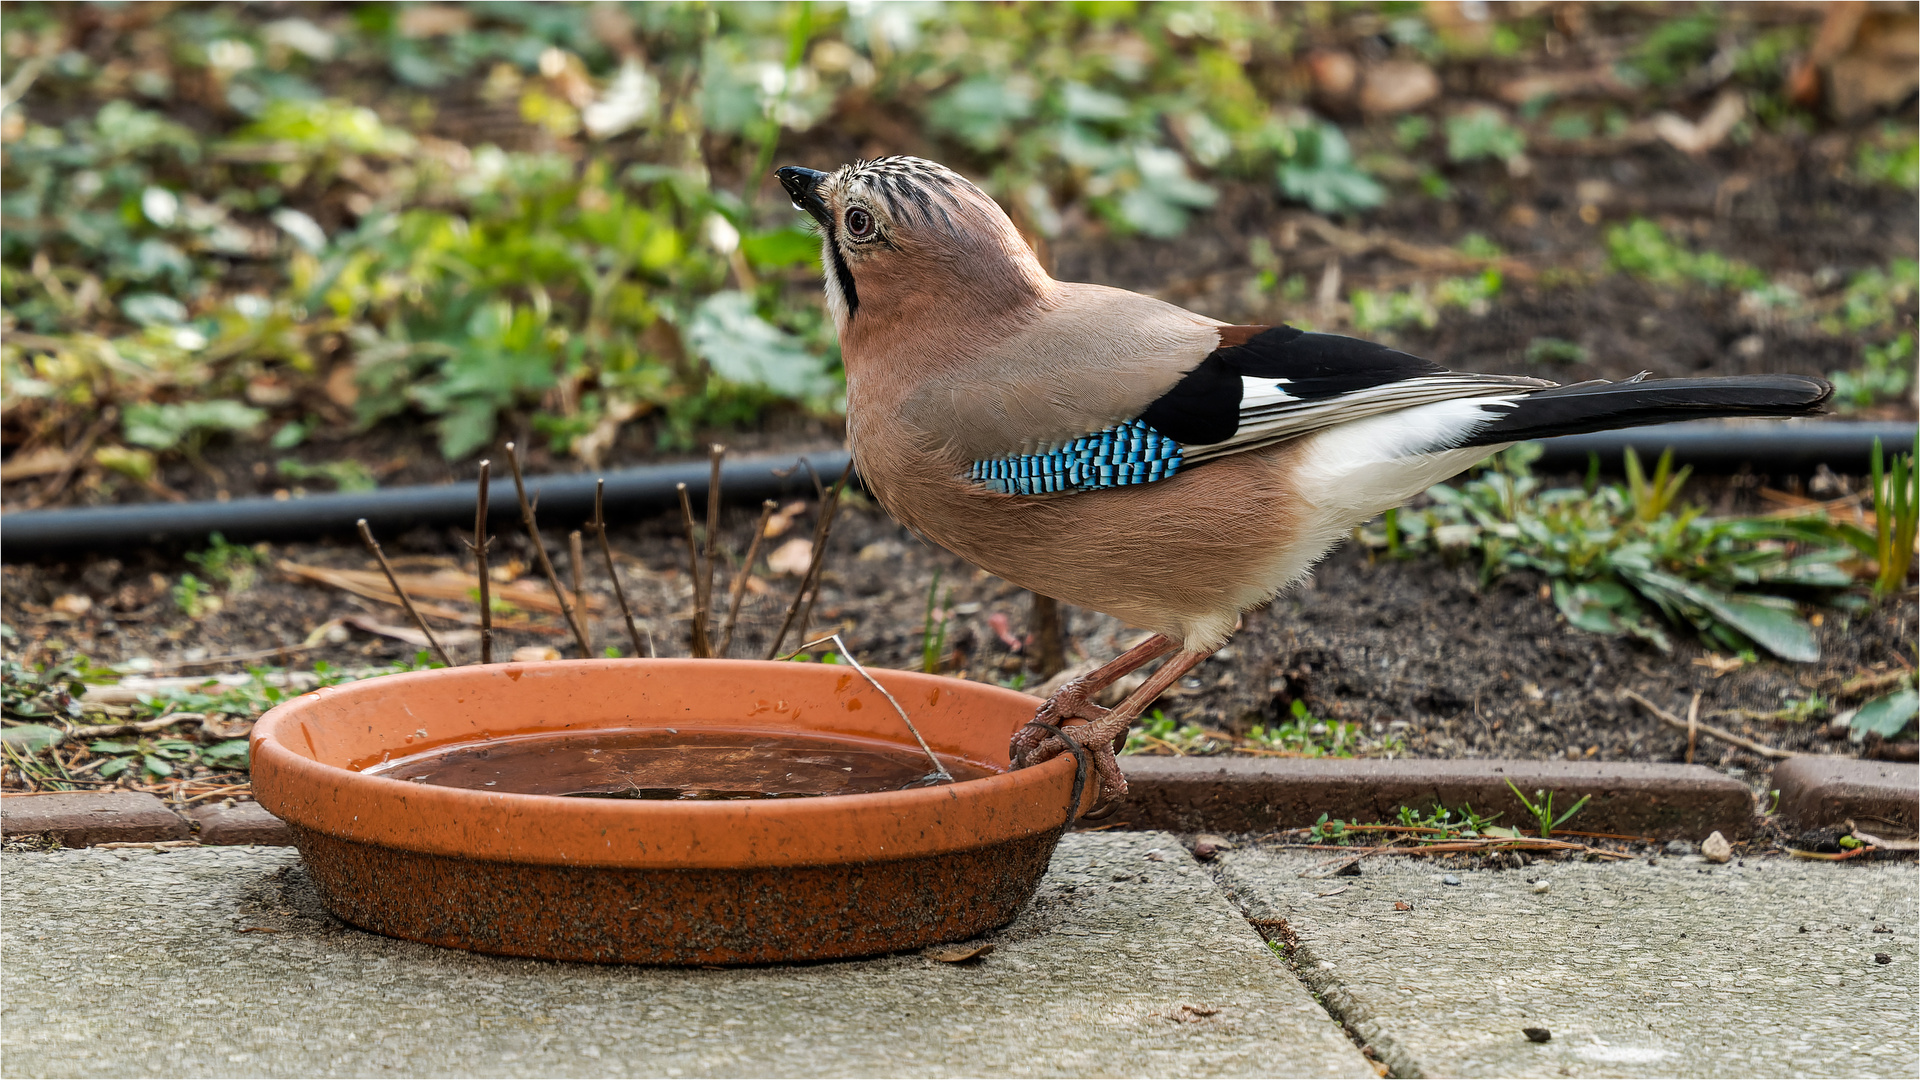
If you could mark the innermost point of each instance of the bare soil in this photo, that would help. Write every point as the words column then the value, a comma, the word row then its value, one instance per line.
column 1429, row 662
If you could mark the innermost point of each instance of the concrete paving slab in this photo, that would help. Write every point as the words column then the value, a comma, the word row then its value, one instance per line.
column 220, row 962
column 1675, row 969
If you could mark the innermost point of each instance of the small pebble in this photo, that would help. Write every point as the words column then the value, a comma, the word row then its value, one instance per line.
column 1207, row 845
column 1536, row 1034
column 1882, row 958
column 1679, row 847
column 1449, row 880
column 1542, row 885
column 1716, row 849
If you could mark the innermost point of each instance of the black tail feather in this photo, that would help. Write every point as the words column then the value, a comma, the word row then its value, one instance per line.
column 1584, row 407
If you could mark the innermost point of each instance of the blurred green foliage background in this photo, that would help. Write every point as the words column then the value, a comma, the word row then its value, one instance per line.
column 255, row 221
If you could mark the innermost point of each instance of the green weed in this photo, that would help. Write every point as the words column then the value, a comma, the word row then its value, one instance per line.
column 1619, row 555
column 1892, row 158
column 1885, row 371
column 1645, row 250
column 933, row 628
column 1553, row 350
column 1483, row 133
column 231, row 567
column 1307, row 735
column 1157, row 729
column 1541, row 809
column 195, row 598
column 345, row 474
column 1896, row 516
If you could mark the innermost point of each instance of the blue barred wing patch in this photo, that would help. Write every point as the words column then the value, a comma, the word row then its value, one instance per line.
column 1124, row 454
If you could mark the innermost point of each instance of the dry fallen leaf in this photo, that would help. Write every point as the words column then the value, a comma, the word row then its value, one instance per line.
column 954, row 954
column 1398, row 86
column 73, row 604
column 409, row 634
column 792, row 557
column 1719, row 665
column 1402, row 905
column 534, row 654
column 782, row 520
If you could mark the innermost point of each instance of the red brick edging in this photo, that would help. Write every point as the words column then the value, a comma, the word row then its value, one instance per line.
column 1221, row 794
column 1238, row 795
column 1826, row 792
column 85, row 818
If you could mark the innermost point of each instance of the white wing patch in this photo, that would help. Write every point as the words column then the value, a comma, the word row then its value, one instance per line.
column 1262, row 393
column 1269, row 414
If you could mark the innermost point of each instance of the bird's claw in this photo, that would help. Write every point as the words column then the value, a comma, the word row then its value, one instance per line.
column 1098, row 731
column 1033, row 744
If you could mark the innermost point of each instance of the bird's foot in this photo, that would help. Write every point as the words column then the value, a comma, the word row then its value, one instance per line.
column 1100, row 739
column 1032, row 744
column 1098, row 730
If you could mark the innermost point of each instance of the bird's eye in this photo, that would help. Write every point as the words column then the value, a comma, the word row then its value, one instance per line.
column 859, row 223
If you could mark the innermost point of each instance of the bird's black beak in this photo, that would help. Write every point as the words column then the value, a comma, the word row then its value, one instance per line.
column 802, row 185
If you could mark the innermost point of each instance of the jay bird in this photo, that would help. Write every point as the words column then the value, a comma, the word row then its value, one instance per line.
column 1118, row 452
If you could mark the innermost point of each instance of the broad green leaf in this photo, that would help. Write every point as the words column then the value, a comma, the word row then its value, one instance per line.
column 780, row 248
column 743, row 348
column 162, row 427
column 1763, row 619
column 983, row 109
column 229, row 754
column 1888, row 716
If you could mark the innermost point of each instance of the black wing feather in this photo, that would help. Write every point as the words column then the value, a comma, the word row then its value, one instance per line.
column 1204, row 407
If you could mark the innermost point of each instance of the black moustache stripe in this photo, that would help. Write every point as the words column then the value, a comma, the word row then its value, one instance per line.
column 842, row 272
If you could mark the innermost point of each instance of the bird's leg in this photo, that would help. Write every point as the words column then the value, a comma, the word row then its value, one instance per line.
column 1074, row 699
column 1100, row 735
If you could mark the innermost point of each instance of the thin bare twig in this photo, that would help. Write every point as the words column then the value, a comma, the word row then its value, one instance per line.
column 809, row 589
column 697, row 644
column 366, row 536
column 817, row 566
column 1724, row 736
column 599, row 526
column 577, row 563
column 480, row 544
column 703, row 598
column 78, row 454
column 738, row 591
column 1049, row 637
column 939, row 772
column 540, row 553
column 1693, row 725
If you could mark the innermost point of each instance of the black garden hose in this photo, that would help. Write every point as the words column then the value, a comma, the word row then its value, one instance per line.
column 562, row 501
column 1776, row 449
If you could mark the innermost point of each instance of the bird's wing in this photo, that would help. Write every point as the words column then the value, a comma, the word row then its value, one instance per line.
column 1258, row 386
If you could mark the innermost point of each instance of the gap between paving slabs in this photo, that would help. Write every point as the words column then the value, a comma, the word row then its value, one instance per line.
column 1650, row 967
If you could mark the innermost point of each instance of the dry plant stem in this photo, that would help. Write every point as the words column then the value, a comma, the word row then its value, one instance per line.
column 816, row 566
column 480, row 542
column 1708, row 729
column 939, row 771
column 540, row 553
column 1693, row 725
column 52, row 488
column 577, row 564
column 738, row 591
column 697, row 646
column 704, row 604
column 366, row 536
column 1049, row 637
column 599, row 526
